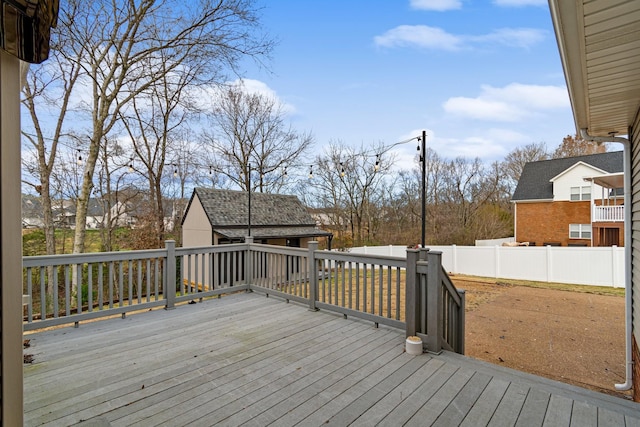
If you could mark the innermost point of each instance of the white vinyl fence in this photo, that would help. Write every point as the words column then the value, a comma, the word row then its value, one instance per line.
column 602, row 266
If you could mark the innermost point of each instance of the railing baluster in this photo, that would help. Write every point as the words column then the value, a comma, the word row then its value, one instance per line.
column 121, row 296
column 67, row 289
column 90, row 287
column 30, row 293
column 111, row 283
column 350, row 281
column 397, row 317
column 43, row 293
column 130, row 281
column 100, row 286
column 358, row 286
column 365, row 308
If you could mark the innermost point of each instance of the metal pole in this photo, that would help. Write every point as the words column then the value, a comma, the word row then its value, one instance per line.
column 249, row 207
column 423, row 187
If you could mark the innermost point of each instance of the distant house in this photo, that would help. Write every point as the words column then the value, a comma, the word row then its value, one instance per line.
column 574, row 201
column 215, row 217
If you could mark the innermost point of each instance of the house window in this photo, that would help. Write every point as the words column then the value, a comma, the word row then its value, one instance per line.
column 581, row 193
column 579, row 231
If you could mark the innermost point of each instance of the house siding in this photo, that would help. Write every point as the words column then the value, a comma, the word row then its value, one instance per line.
column 634, row 133
column 196, row 229
column 548, row 222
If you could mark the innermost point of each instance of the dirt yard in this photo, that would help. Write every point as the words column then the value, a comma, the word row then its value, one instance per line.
column 573, row 334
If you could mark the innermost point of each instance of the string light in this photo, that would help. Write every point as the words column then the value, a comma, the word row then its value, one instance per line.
column 379, row 151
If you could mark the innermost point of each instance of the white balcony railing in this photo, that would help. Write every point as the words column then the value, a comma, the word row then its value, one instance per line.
column 608, row 213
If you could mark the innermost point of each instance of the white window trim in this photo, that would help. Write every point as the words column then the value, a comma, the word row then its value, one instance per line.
column 584, row 231
column 582, row 191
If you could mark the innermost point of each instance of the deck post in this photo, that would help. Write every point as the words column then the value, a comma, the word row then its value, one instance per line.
column 435, row 316
column 313, row 276
column 461, row 320
column 412, row 293
column 170, row 275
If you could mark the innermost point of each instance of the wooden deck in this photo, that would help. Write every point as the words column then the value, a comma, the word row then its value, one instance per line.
column 250, row 360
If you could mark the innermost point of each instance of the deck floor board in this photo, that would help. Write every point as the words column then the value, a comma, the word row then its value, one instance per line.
column 249, row 360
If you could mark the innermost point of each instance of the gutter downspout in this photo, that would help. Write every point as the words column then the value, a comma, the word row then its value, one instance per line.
column 627, row 249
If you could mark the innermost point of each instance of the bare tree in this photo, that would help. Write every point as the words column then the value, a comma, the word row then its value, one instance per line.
column 572, row 146
column 46, row 96
column 515, row 160
column 250, row 134
column 124, row 49
column 349, row 184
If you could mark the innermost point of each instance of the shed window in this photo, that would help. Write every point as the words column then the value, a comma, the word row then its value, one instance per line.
column 579, row 231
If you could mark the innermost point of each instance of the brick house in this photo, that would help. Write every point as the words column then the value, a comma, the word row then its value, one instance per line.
column 574, row 201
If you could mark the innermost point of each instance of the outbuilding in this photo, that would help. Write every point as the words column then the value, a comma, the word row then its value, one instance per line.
column 215, row 217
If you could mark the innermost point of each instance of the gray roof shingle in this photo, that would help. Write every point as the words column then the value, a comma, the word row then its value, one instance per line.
column 272, row 215
column 535, row 184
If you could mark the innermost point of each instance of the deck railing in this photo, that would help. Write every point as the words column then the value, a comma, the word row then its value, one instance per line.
column 414, row 294
column 613, row 213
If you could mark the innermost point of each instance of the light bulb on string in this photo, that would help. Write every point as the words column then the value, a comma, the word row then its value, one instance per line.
column 377, row 165
column 311, row 172
column 131, row 165
column 79, row 158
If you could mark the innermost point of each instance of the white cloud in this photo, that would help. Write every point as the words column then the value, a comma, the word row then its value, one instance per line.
column 520, row 3
column 419, row 36
column 514, row 102
column 208, row 94
column 513, row 37
column 482, row 109
column 437, row 5
column 483, row 147
column 426, row 37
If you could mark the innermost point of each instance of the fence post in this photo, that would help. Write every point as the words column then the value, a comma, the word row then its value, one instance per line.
column 248, row 262
column 435, row 326
column 170, row 275
column 313, row 276
column 412, row 294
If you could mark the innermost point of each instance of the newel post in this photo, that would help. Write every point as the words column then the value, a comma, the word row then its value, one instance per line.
column 412, row 293
column 435, row 315
column 248, row 262
column 313, row 276
column 170, row 274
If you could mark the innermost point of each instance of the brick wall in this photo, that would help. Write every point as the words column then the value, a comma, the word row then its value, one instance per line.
column 542, row 222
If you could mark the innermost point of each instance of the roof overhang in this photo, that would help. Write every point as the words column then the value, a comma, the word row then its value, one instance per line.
column 272, row 232
column 599, row 43
column 610, row 180
column 532, row 201
column 574, row 166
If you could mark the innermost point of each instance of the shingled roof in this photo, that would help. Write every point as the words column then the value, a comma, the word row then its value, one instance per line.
column 272, row 215
column 535, row 180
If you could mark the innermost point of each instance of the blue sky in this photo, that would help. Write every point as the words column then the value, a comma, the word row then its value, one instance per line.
column 482, row 77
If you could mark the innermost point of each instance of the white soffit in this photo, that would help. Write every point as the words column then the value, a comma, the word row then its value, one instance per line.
column 599, row 42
